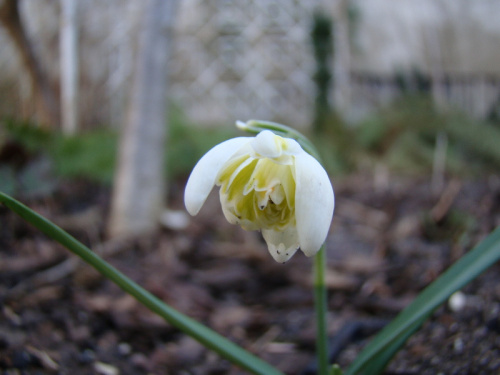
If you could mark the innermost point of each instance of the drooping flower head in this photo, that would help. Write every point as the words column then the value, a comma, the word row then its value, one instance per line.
column 267, row 183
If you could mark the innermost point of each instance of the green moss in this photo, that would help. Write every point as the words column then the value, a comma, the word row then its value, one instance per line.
column 403, row 136
column 92, row 154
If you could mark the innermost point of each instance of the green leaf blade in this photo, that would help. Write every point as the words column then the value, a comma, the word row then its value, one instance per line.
column 209, row 338
column 393, row 336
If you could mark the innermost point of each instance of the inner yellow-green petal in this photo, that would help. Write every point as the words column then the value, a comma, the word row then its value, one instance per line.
column 258, row 193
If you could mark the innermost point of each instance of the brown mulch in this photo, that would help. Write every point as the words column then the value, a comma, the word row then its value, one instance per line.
column 58, row 316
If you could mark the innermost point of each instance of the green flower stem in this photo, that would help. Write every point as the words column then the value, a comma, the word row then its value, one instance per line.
column 320, row 295
column 198, row 331
column 320, row 304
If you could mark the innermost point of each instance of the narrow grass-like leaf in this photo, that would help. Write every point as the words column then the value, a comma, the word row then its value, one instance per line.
column 198, row 331
column 382, row 348
column 377, row 364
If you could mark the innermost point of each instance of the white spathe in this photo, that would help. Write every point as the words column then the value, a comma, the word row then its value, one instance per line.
column 268, row 183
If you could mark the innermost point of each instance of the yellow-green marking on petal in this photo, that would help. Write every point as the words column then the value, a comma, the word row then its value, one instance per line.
column 258, row 192
column 267, row 183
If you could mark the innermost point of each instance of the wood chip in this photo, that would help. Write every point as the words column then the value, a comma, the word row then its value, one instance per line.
column 47, row 362
column 105, row 369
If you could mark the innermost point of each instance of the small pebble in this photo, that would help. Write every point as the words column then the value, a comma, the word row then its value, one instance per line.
column 175, row 220
column 458, row 345
column 124, row 348
column 457, row 301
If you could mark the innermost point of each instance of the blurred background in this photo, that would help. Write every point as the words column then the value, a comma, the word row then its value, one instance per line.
column 333, row 66
column 105, row 107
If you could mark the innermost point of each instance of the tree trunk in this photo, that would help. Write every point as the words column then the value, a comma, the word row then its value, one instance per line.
column 138, row 194
column 45, row 97
column 69, row 66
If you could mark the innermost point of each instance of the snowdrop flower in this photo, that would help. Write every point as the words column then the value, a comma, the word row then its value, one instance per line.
column 267, row 183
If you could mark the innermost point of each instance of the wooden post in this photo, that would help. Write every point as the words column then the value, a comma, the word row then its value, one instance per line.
column 69, row 66
column 138, row 195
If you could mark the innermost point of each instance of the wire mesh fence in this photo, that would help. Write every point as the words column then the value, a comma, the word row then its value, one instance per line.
column 230, row 60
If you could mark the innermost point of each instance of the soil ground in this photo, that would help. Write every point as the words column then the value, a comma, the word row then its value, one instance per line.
column 58, row 316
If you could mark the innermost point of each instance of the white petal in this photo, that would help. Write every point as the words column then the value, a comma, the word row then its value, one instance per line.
column 282, row 245
column 202, row 178
column 293, row 147
column 314, row 203
column 264, row 144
